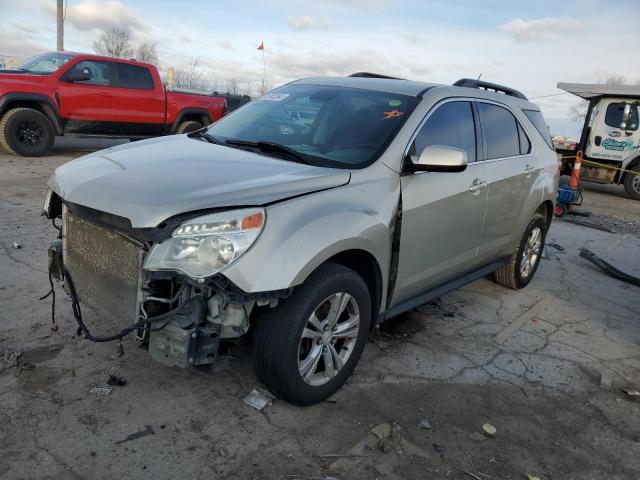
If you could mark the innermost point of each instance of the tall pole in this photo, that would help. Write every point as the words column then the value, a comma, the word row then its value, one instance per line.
column 264, row 72
column 60, row 29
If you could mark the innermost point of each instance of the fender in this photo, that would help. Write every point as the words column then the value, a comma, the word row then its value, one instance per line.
column 201, row 112
column 49, row 107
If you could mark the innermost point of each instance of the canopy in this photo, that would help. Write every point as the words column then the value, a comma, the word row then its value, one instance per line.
column 593, row 90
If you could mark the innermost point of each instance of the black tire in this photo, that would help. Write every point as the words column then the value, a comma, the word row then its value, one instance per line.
column 632, row 183
column 26, row 132
column 278, row 333
column 511, row 274
column 188, row 127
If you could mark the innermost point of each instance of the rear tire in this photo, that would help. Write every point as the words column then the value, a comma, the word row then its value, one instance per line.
column 26, row 132
column 301, row 355
column 525, row 260
column 632, row 183
column 188, row 127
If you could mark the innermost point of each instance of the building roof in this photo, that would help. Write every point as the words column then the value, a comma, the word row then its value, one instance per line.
column 593, row 90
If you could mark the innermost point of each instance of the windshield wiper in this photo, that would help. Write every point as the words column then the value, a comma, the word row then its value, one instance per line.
column 208, row 137
column 271, row 147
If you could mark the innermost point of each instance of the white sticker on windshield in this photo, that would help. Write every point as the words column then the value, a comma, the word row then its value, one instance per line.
column 274, row 97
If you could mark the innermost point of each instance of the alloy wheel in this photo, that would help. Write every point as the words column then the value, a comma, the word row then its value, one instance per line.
column 531, row 252
column 29, row 133
column 328, row 338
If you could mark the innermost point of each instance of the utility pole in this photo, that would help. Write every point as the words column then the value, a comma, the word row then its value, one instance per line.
column 60, row 31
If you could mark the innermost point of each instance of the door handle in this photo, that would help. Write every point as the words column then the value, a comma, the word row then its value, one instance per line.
column 528, row 171
column 477, row 186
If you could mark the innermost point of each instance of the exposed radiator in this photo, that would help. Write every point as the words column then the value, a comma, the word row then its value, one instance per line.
column 105, row 268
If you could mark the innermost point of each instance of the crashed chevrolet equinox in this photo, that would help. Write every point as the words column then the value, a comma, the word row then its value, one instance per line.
column 303, row 220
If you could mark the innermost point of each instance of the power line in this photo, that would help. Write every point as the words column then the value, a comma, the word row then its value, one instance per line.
column 551, row 95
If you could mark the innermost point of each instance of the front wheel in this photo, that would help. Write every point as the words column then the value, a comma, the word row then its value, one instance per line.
column 26, row 132
column 525, row 260
column 632, row 183
column 188, row 127
column 307, row 347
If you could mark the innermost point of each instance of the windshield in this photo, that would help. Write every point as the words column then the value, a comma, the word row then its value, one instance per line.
column 45, row 63
column 329, row 126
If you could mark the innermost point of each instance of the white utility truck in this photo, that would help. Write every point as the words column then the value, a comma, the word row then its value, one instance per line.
column 610, row 139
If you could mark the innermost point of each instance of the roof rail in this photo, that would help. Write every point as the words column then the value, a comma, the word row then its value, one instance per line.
column 471, row 83
column 373, row 75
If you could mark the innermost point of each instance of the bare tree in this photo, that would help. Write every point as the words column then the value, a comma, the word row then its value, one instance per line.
column 578, row 112
column 264, row 87
column 114, row 42
column 191, row 77
column 147, row 53
column 233, row 86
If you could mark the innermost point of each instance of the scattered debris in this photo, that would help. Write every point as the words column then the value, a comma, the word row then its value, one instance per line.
column 605, row 380
column 9, row 358
column 471, row 474
column 259, row 398
column 92, row 453
column 116, row 381
column 101, row 389
column 16, row 245
column 413, row 449
column 382, row 431
column 608, row 268
column 424, row 424
column 532, row 477
column 142, row 433
column 439, row 448
column 588, row 224
column 631, row 393
column 560, row 248
column 489, row 430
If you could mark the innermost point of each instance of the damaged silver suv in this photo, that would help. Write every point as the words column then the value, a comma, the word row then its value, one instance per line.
column 304, row 219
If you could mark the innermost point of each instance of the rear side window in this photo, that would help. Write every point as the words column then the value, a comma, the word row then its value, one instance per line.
column 500, row 131
column 538, row 122
column 615, row 113
column 132, row 76
column 525, row 144
column 451, row 125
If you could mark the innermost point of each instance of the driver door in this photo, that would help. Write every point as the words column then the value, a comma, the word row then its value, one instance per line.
column 442, row 213
column 608, row 138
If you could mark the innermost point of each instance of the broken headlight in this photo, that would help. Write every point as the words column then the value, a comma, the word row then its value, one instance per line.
column 204, row 245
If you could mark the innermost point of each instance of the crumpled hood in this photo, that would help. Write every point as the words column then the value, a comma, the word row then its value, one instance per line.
column 152, row 180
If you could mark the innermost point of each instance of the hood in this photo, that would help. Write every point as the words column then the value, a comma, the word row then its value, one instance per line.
column 152, row 180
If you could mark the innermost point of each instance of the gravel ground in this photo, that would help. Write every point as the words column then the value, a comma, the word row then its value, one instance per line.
column 543, row 365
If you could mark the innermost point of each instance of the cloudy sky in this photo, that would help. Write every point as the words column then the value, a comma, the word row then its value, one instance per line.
column 528, row 45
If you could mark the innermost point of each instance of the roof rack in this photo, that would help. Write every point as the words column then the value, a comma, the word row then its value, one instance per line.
column 471, row 83
column 373, row 75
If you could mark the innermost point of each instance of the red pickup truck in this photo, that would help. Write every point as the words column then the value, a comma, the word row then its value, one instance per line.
column 64, row 93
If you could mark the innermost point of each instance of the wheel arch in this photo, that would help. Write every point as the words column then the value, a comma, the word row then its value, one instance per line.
column 194, row 114
column 546, row 210
column 632, row 163
column 40, row 103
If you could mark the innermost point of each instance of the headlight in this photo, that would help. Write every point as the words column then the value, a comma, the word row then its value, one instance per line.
column 203, row 246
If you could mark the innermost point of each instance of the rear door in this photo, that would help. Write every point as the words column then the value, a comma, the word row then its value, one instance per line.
column 512, row 171
column 442, row 213
column 140, row 101
column 90, row 105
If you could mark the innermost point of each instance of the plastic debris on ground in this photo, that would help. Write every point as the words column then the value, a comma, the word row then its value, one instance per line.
column 259, row 398
column 101, row 389
column 16, row 245
column 489, row 430
column 116, row 381
column 148, row 430
column 424, row 424
column 632, row 393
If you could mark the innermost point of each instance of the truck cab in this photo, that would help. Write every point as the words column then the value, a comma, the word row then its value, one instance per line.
column 610, row 138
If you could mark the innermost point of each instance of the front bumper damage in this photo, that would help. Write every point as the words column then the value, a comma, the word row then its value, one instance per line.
column 182, row 321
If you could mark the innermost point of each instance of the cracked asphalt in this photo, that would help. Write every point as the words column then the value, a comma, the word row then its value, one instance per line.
column 543, row 365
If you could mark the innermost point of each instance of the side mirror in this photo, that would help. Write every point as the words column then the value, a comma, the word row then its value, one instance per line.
column 438, row 158
column 626, row 115
column 76, row 76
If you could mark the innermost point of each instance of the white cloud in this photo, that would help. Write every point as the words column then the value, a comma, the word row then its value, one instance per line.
column 356, row 3
column 306, row 22
column 540, row 29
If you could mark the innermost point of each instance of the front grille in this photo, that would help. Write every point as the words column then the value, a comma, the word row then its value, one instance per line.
column 105, row 268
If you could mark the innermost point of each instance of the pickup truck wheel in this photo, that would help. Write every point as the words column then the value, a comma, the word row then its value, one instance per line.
column 632, row 183
column 525, row 260
column 188, row 127
column 26, row 132
column 307, row 346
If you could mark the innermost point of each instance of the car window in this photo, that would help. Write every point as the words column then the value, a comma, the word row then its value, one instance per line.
column 45, row 63
column 615, row 112
column 450, row 125
column 525, row 144
column 500, row 131
column 98, row 72
column 330, row 126
column 541, row 126
column 133, row 76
